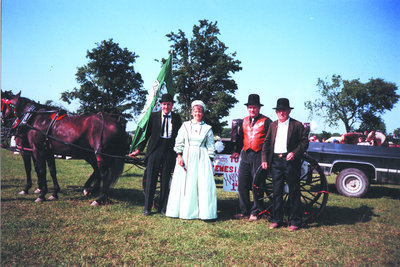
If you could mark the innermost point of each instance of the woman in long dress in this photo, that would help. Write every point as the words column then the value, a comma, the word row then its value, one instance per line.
column 193, row 193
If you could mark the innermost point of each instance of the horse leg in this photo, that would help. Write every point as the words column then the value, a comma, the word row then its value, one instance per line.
column 40, row 167
column 104, row 173
column 110, row 170
column 94, row 178
column 51, row 163
column 28, row 168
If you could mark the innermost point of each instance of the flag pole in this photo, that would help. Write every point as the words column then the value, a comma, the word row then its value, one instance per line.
column 163, row 79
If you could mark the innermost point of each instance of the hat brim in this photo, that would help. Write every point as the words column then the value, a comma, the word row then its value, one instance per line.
column 277, row 108
column 250, row 104
column 172, row 101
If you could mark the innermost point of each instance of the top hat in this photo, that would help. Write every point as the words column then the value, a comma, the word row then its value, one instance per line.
column 167, row 98
column 283, row 103
column 254, row 99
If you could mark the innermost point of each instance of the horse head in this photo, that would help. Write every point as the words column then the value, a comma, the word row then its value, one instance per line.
column 19, row 106
column 8, row 102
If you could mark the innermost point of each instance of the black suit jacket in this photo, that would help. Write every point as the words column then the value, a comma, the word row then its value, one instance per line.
column 297, row 140
column 154, row 131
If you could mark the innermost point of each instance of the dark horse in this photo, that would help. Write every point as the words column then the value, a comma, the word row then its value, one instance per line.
column 21, row 141
column 99, row 138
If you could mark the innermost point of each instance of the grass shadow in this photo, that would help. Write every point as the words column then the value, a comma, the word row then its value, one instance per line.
column 374, row 191
column 379, row 191
column 346, row 216
column 18, row 198
column 12, row 183
column 132, row 196
column 227, row 208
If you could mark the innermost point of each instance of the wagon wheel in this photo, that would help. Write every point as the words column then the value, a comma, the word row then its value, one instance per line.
column 313, row 190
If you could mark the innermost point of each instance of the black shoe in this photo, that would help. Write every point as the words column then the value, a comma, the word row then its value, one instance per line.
column 147, row 213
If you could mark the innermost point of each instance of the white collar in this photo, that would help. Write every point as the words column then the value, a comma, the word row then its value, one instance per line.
column 285, row 122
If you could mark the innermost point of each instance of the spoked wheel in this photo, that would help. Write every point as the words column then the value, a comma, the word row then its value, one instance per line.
column 313, row 190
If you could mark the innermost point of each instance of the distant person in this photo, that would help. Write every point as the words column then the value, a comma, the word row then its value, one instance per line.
column 282, row 151
column 349, row 138
column 254, row 130
column 376, row 138
column 160, row 155
column 362, row 142
column 193, row 191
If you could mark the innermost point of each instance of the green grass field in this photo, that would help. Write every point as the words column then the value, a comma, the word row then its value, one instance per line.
column 350, row 232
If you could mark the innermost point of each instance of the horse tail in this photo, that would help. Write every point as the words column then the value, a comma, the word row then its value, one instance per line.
column 116, row 169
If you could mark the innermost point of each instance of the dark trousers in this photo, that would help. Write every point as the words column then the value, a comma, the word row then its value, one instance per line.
column 249, row 163
column 161, row 161
column 286, row 171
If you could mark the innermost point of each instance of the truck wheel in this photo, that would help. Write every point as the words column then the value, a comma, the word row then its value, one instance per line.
column 352, row 182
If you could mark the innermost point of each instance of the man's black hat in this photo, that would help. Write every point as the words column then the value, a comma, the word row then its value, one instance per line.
column 167, row 98
column 283, row 103
column 254, row 99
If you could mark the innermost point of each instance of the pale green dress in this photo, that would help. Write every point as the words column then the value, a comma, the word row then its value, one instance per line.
column 193, row 193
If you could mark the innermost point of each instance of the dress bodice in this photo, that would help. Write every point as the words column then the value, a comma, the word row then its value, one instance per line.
column 195, row 134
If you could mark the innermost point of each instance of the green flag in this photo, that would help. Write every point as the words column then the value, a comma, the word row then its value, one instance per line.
column 164, row 78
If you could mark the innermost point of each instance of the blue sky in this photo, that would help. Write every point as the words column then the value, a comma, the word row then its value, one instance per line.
column 284, row 46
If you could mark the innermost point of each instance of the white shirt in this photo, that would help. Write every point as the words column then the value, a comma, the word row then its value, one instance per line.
column 281, row 137
column 164, row 134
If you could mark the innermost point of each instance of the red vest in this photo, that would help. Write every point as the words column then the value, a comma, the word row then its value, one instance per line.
column 253, row 136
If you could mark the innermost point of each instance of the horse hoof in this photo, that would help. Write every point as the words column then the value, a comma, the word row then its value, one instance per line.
column 23, row 192
column 52, row 197
column 39, row 200
column 37, row 191
column 94, row 204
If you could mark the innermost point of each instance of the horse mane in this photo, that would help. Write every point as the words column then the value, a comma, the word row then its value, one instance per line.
column 23, row 102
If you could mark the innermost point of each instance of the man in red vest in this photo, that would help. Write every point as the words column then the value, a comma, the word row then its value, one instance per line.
column 253, row 132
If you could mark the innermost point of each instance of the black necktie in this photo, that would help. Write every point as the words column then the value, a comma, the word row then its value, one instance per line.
column 165, row 122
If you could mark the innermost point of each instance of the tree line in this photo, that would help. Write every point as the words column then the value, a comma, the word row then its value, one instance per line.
column 203, row 69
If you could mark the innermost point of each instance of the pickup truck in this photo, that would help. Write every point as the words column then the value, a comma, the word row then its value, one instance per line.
column 357, row 166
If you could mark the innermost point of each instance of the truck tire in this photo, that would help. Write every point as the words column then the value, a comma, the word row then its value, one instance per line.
column 352, row 182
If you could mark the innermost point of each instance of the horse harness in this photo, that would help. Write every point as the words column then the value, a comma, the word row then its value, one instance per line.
column 20, row 124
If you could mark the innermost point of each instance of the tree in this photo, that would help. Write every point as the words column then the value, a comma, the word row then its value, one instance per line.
column 226, row 132
column 109, row 82
column 202, row 70
column 353, row 102
column 371, row 122
column 396, row 132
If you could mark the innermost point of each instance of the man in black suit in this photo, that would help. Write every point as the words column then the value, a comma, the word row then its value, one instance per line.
column 160, row 155
column 282, row 151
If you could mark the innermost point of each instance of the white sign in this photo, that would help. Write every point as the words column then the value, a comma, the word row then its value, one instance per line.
column 229, row 167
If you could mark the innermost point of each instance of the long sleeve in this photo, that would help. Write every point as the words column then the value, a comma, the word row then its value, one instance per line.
column 180, row 140
column 265, row 147
column 210, row 144
column 301, row 139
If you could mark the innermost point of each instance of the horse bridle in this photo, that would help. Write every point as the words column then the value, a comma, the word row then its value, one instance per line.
column 7, row 105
